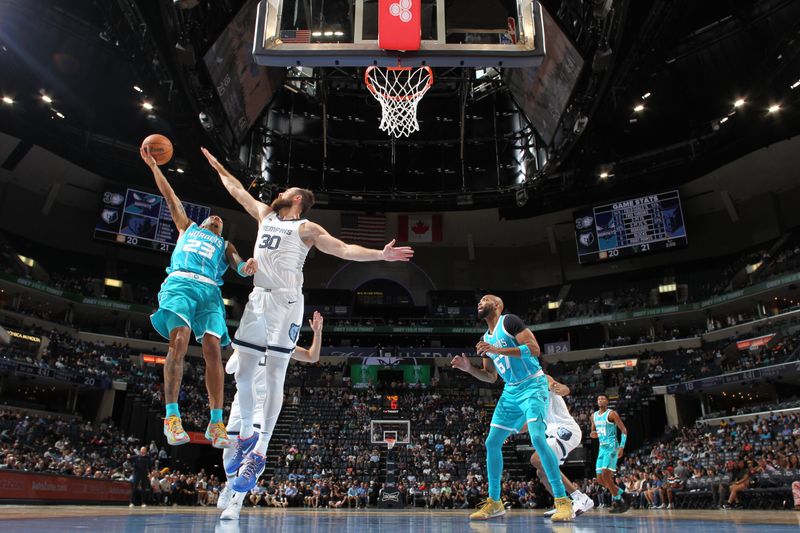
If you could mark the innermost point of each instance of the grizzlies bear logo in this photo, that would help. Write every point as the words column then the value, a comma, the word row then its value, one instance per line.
column 294, row 331
column 564, row 434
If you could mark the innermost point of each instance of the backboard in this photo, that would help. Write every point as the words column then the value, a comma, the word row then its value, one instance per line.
column 400, row 430
column 454, row 33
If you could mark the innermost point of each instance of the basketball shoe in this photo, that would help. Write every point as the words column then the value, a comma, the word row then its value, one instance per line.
column 243, row 447
column 252, row 467
column 487, row 509
column 224, row 497
column 234, row 507
column 173, row 429
column 218, row 436
column 564, row 512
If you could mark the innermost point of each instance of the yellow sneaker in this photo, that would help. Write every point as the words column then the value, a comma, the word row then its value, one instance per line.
column 173, row 429
column 218, row 436
column 564, row 512
column 487, row 509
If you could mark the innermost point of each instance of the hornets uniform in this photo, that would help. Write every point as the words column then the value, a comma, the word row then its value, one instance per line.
column 525, row 395
column 273, row 315
column 191, row 296
column 607, row 435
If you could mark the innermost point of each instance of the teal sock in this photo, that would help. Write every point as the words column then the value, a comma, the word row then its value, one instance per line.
column 172, row 410
column 619, row 494
column 216, row 416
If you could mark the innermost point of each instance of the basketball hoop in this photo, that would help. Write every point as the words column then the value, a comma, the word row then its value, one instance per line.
column 390, row 442
column 398, row 90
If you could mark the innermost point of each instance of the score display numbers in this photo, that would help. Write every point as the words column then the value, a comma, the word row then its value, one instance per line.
column 630, row 227
column 142, row 219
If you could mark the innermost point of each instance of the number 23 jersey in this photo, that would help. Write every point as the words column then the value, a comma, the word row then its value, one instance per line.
column 280, row 253
column 199, row 251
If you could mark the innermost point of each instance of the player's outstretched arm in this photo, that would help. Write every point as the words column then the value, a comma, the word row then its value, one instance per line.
column 257, row 210
column 488, row 373
column 329, row 244
column 311, row 354
column 235, row 261
column 175, row 206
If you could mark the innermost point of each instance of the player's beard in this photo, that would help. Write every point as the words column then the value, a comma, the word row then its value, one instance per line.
column 483, row 313
column 279, row 203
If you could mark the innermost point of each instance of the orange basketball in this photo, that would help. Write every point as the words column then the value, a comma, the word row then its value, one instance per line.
column 160, row 148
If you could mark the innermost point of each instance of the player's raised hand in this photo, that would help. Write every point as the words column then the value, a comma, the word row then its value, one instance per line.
column 213, row 161
column 250, row 267
column 397, row 253
column 316, row 323
column 593, row 435
column 149, row 160
column 460, row 362
column 484, row 347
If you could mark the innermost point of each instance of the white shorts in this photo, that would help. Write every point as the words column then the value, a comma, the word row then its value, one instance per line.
column 235, row 416
column 562, row 440
column 271, row 322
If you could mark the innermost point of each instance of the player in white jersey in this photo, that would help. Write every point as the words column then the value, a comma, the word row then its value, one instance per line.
column 230, row 501
column 271, row 320
column 563, row 435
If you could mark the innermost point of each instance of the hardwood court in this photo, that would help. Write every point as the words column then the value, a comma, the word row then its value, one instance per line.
column 33, row 519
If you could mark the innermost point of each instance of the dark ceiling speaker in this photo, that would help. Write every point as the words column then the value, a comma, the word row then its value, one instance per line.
column 602, row 59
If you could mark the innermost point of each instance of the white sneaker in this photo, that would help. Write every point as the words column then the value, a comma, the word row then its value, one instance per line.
column 583, row 505
column 234, row 508
column 224, row 497
column 670, row 506
column 130, row 505
column 549, row 513
column 144, row 505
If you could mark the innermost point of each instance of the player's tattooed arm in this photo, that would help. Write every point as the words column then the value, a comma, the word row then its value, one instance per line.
column 311, row 354
column 179, row 216
column 256, row 209
column 316, row 235
column 488, row 373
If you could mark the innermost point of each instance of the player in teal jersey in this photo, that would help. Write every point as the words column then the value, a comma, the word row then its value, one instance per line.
column 605, row 423
column 190, row 301
column 511, row 351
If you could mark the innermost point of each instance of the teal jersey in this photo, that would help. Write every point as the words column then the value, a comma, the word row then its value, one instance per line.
column 606, row 431
column 199, row 251
column 511, row 369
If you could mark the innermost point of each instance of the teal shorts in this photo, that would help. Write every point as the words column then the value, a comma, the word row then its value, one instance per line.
column 194, row 304
column 606, row 459
column 520, row 404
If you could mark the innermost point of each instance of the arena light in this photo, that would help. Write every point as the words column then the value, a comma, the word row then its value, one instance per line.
column 59, row 114
column 27, row 261
column 147, row 106
column 645, row 96
column 774, row 108
column 137, row 89
column 554, row 305
column 328, row 34
column 338, row 33
column 639, row 108
column 179, row 170
column 46, row 99
column 316, row 34
column 228, row 302
column 795, row 85
column 723, row 120
column 603, row 175
column 111, row 282
column 667, row 287
column 753, row 267
column 739, row 102
column 8, row 100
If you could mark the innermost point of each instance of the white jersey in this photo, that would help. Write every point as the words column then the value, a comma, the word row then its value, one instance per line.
column 558, row 416
column 280, row 253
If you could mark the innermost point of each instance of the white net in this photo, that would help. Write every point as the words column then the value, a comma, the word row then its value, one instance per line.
column 399, row 90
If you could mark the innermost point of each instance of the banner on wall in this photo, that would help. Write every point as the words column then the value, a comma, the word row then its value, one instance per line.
column 47, row 487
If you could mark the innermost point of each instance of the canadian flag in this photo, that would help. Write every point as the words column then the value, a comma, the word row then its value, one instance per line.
column 419, row 228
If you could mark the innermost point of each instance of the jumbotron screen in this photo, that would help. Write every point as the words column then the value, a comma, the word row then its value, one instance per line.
column 630, row 227
column 142, row 219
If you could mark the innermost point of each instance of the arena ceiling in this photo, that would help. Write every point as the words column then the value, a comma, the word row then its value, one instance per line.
column 685, row 62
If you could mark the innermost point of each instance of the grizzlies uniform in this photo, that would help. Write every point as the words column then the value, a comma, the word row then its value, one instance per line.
column 525, row 395
column 235, row 417
column 607, row 435
column 563, row 433
column 190, row 296
column 274, row 312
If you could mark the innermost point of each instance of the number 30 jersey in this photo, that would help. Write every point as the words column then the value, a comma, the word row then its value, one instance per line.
column 280, row 253
column 199, row 251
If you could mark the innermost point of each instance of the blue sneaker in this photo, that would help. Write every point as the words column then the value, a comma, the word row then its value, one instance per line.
column 252, row 467
column 242, row 447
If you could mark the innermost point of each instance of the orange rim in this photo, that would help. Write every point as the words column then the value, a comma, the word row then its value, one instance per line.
column 373, row 90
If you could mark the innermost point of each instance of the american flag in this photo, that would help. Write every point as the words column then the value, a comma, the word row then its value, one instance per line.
column 367, row 229
column 296, row 36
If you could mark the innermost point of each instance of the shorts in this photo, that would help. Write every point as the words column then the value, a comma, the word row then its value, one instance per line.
column 235, row 416
column 191, row 303
column 270, row 323
column 521, row 404
column 606, row 459
column 563, row 440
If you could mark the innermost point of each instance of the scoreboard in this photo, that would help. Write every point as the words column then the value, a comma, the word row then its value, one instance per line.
column 630, row 227
column 142, row 219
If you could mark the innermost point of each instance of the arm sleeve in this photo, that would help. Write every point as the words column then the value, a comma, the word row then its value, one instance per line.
column 514, row 325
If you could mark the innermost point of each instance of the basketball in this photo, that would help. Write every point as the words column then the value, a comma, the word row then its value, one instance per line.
column 160, row 148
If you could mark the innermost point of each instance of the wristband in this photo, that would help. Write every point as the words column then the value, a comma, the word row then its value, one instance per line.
column 622, row 440
column 239, row 268
column 524, row 351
